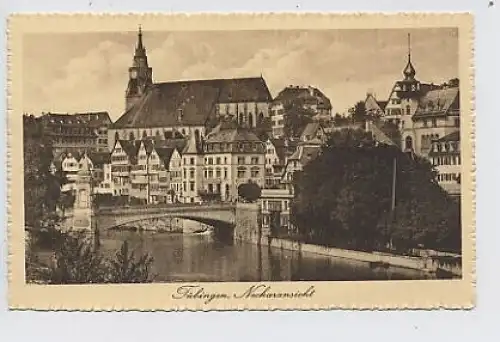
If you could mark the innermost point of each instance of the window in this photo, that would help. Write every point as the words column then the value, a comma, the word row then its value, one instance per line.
column 434, row 123
column 409, row 143
column 255, row 172
column 255, row 160
column 241, row 172
column 241, row 160
column 185, row 173
column 408, row 110
column 225, row 173
column 210, row 161
column 424, row 123
column 191, row 161
column 217, row 173
column 191, row 186
column 184, row 186
column 217, row 161
column 457, row 122
column 191, row 173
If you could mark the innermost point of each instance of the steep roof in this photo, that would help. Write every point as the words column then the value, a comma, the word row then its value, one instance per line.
column 99, row 158
column 455, row 136
column 438, row 102
column 233, row 135
column 304, row 154
column 374, row 106
column 190, row 102
column 165, row 153
column 279, row 147
column 130, row 147
column 310, row 95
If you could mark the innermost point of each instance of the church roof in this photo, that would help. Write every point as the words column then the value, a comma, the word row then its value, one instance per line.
column 190, row 102
column 445, row 100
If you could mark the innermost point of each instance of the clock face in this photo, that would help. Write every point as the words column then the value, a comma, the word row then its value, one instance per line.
column 133, row 74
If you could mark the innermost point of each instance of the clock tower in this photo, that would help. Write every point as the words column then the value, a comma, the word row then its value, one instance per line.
column 140, row 74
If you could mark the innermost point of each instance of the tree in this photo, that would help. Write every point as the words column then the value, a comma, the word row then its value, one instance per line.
column 296, row 119
column 347, row 192
column 41, row 188
column 358, row 112
column 250, row 192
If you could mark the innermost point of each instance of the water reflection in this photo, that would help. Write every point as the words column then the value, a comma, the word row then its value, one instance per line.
column 184, row 258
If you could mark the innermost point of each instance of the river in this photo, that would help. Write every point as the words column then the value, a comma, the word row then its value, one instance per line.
column 196, row 258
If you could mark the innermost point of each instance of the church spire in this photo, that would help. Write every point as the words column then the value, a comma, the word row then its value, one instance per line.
column 409, row 71
column 140, row 74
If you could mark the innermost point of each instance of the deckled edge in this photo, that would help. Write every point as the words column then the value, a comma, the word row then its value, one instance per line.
column 426, row 306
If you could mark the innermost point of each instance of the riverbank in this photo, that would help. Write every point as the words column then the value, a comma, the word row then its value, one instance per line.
column 428, row 264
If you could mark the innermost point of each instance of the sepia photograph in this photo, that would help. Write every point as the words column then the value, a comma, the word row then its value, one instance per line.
column 207, row 156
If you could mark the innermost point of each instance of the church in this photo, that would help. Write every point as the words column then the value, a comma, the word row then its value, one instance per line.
column 178, row 109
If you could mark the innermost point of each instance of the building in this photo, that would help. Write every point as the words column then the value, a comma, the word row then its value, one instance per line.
column 296, row 162
column 275, row 207
column 232, row 156
column 76, row 133
column 310, row 99
column 186, row 107
column 423, row 112
column 192, row 170
column 445, row 156
column 123, row 156
column 276, row 154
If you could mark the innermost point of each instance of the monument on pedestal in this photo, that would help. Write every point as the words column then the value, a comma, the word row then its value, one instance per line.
column 82, row 212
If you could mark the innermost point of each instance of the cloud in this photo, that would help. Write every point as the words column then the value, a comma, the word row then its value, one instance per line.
column 84, row 74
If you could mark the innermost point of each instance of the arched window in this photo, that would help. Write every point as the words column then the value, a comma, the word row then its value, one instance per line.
column 261, row 118
column 409, row 143
column 131, row 136
column 250, row 120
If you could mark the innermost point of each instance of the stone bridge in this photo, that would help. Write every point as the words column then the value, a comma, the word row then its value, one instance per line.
column 217, row 215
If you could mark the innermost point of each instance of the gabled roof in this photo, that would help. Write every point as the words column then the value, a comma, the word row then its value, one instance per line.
column 233, row 135
column 279, row 147
column 130, row 147
column 304, row 154
column 310, row 131
column 444, row 101
column 99, row 158
column 165, row 153
column 374, row 106
column 309, row 95
column 190, row 102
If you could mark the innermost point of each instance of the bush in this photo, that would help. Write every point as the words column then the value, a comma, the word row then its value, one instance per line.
column 76, row 261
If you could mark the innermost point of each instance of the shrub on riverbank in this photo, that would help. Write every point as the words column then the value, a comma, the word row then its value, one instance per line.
column 75, row 260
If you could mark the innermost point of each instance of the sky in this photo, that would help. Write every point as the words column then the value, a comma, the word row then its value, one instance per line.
column 89, row 71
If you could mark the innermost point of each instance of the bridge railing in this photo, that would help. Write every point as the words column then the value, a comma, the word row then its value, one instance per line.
column 123, row 208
